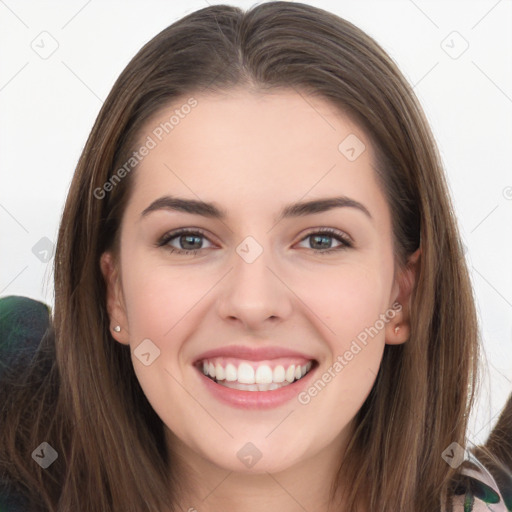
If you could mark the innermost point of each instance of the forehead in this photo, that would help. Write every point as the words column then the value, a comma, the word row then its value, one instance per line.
column 281, row 121
column 244, row 145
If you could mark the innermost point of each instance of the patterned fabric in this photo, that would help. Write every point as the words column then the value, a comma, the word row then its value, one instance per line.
column 23, row 322
column 476, row 489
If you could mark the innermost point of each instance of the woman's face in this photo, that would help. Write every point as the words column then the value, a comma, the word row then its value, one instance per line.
column 263, row 286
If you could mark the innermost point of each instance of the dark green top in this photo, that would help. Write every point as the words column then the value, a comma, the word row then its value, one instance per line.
column 23, row 322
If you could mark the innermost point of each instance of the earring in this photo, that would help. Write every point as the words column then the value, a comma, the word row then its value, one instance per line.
column 397, row 328
column 117, row 328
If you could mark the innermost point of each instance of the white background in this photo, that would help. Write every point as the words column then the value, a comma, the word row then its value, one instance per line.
column 48, row 105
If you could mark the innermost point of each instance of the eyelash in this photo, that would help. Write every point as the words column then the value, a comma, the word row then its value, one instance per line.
column 333, row 233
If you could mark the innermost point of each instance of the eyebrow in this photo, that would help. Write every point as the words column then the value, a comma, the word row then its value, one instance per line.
column 299, row 209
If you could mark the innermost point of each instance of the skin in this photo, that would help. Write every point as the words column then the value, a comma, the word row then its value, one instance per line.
column 250, row 154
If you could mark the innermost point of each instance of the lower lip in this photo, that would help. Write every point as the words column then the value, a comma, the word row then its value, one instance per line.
column 256, row 399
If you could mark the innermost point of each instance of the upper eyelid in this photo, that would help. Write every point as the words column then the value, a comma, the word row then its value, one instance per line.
column 170, row 235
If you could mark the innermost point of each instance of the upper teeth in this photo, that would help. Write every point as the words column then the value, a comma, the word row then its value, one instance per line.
column 245, row 373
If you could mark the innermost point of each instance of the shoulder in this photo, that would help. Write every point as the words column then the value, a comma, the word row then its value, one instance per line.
column 475, row 488
column 11, row 500
column 23, row 322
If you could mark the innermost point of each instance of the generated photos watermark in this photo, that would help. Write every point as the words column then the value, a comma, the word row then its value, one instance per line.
column 151, row 142
column 344, row 359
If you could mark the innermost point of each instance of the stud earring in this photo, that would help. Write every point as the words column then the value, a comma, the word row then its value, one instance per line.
column 117, row 328
column 397, row 328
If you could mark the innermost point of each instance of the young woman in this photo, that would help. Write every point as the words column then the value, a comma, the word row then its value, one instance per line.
column 251, row 307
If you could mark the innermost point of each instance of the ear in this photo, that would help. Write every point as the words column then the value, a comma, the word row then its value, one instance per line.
column 115, row 303
column 398, row 329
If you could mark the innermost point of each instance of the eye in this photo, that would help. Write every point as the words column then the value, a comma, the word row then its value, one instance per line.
column 322, row 241
column 190, row 240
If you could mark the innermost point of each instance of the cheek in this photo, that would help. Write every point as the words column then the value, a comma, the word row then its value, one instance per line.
column 350, row 303
column 159, row 298
column 159, row 305
column 348, row 298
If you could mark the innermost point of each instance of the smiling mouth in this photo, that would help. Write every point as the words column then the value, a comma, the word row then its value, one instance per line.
column 254, row 376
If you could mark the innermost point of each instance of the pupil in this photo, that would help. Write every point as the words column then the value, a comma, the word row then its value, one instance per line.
column 187, row 238
column 323, row 238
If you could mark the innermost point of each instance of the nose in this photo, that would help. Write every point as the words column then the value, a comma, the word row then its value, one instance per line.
column 253, row 293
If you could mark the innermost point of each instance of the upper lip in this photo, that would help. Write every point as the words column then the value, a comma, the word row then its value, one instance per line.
column 251, row 353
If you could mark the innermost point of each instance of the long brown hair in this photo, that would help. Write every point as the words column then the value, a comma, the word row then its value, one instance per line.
column 90, row 406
